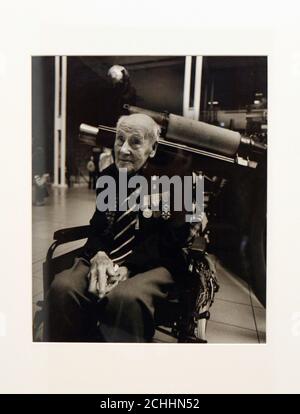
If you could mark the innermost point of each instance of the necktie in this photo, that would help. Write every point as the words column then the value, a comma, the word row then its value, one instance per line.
column 124, row 230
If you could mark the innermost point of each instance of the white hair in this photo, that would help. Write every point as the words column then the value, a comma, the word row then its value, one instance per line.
column 153, row 133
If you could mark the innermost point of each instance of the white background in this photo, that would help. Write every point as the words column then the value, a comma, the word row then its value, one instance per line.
column 159, row 28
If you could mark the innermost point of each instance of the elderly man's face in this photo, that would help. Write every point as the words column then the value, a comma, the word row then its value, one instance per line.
column 133, row 146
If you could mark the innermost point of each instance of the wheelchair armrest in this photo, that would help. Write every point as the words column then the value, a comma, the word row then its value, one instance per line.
column 71, row 234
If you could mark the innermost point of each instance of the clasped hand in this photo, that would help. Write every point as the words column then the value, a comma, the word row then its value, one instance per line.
column 104, row 275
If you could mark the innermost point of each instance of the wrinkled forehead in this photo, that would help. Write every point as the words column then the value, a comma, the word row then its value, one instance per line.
column 137, row 124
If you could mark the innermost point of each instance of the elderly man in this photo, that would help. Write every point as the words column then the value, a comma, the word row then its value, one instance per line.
column 128, row 265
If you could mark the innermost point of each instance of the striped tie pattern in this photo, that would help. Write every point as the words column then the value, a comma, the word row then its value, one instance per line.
column 124, row 230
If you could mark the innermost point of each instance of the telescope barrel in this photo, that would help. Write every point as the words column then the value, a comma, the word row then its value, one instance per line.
column 194, row 133
column 201, row 135
column 188, row 134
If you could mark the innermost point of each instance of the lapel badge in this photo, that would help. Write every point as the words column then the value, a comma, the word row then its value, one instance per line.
column 166, row 213
column 147, row 213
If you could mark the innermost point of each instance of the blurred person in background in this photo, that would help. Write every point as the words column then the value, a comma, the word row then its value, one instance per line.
column 92, row 173
column 39, row 175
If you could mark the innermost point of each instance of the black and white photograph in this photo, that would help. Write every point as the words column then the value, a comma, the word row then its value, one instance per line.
column 150, row 202
column 149, row 198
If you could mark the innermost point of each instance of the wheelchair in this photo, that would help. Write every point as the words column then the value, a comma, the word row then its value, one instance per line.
column 186, row 313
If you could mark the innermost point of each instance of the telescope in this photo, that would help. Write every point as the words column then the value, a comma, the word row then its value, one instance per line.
column 191, row 136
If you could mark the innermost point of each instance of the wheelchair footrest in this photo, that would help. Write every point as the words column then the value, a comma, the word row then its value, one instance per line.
column 191, row 339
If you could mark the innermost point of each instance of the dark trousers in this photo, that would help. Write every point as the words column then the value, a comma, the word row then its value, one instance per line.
column 92, row 180
column 126, row 314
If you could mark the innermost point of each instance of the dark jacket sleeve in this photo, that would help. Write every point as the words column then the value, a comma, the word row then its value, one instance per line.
column 99, row 236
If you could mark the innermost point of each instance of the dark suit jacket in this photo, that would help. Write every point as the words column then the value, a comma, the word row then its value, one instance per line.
column 158, row 242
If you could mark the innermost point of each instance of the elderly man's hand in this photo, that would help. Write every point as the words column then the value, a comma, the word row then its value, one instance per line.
column 102, row 269
column 121, row 275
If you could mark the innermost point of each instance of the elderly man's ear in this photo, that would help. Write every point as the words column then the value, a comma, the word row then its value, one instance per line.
column 154, row 149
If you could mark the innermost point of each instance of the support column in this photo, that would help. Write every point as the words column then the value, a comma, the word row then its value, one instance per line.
column 197, row 90
column 60, row 101
column 192, row 112
column 187, row 86
column 56, row 119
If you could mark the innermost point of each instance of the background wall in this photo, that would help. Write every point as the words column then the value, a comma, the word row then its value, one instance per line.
column 42, row 115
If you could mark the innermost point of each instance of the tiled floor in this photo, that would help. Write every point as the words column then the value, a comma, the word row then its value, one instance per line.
column 236, row 315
